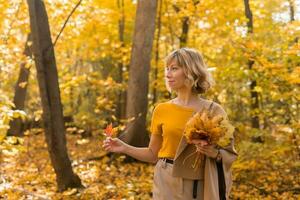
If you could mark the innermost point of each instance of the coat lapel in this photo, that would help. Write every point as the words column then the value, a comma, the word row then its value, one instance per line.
column 182, row 145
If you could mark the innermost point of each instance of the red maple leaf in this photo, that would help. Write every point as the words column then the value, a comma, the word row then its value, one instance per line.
column 108, row 131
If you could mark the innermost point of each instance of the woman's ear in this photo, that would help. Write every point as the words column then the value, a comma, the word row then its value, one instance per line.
column 188, row 83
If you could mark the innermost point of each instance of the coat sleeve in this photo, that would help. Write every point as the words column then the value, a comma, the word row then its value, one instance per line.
column 229, row 155
column 211, row 187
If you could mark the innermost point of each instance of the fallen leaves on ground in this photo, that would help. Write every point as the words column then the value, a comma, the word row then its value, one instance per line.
column 267, row 172
column 29, row 174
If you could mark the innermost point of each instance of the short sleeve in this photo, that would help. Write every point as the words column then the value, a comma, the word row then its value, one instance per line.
column 156, row 121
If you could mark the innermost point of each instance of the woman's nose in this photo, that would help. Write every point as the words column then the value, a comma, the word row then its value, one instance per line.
column 168, row 74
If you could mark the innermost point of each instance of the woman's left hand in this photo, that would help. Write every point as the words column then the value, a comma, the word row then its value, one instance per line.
column 206, row 149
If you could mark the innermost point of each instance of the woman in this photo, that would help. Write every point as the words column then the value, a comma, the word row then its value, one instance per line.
column 174, row 177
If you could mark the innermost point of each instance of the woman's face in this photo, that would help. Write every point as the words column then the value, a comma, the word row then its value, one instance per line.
column 175, row 77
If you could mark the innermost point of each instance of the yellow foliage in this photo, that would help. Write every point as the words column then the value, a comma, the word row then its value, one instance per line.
column 216, row 129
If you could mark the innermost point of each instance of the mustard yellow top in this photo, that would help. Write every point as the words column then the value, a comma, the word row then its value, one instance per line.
column 168, row 120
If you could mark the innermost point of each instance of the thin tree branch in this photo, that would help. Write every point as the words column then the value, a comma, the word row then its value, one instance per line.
column 63, row 27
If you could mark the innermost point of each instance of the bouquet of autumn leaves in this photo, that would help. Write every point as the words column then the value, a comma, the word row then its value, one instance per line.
column 216, row 130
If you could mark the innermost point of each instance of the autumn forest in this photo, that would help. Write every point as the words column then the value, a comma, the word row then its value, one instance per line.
column 71, row 70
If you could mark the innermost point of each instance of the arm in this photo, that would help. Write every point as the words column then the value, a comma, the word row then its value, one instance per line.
column 146, row 154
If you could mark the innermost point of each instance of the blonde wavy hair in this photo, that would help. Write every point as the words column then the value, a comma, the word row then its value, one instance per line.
column 194, row 69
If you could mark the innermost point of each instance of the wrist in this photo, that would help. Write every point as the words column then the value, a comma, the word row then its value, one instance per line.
column 125, row 148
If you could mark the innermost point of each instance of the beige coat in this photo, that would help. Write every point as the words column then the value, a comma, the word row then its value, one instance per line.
column 183, row 166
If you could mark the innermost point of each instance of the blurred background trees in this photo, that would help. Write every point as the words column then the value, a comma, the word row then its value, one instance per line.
column 251, row 48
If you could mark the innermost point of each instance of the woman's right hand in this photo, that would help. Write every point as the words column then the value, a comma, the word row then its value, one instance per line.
column 199, row 142
column 114, row 145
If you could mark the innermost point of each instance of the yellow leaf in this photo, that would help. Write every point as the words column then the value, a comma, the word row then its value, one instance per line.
column 70, row 192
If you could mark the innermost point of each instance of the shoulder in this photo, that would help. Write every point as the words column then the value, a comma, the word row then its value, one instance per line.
column 216, row 108
column 160, row 107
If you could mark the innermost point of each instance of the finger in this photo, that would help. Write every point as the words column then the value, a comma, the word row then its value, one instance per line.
column 204, row 153
column 105, row 147
column 200, row 148
column 108, row 148
column 207, row 151
column 106, row 143
column 109, row 140
column 204, row 150
column 209, row 147
column 203, row 147
column 113, row 140
column 195, row 141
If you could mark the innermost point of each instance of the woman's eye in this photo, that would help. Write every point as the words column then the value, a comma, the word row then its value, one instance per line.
column 171, row 68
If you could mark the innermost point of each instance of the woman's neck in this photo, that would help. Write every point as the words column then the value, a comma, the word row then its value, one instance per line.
column 186, row 98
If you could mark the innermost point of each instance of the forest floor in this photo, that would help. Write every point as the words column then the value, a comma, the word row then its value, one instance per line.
column 26, row 173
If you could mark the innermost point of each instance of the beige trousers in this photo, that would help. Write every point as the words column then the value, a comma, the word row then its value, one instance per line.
column 167, row 187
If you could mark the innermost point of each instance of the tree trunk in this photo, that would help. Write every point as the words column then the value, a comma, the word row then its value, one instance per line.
column 137, row 101
column 16, row 125
column 154, row 92
column 185, row 26
column 184, row 33
column 292, row 14
column 50, row 96
column 292, row 10
column 254, row 96
column 121, row 106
